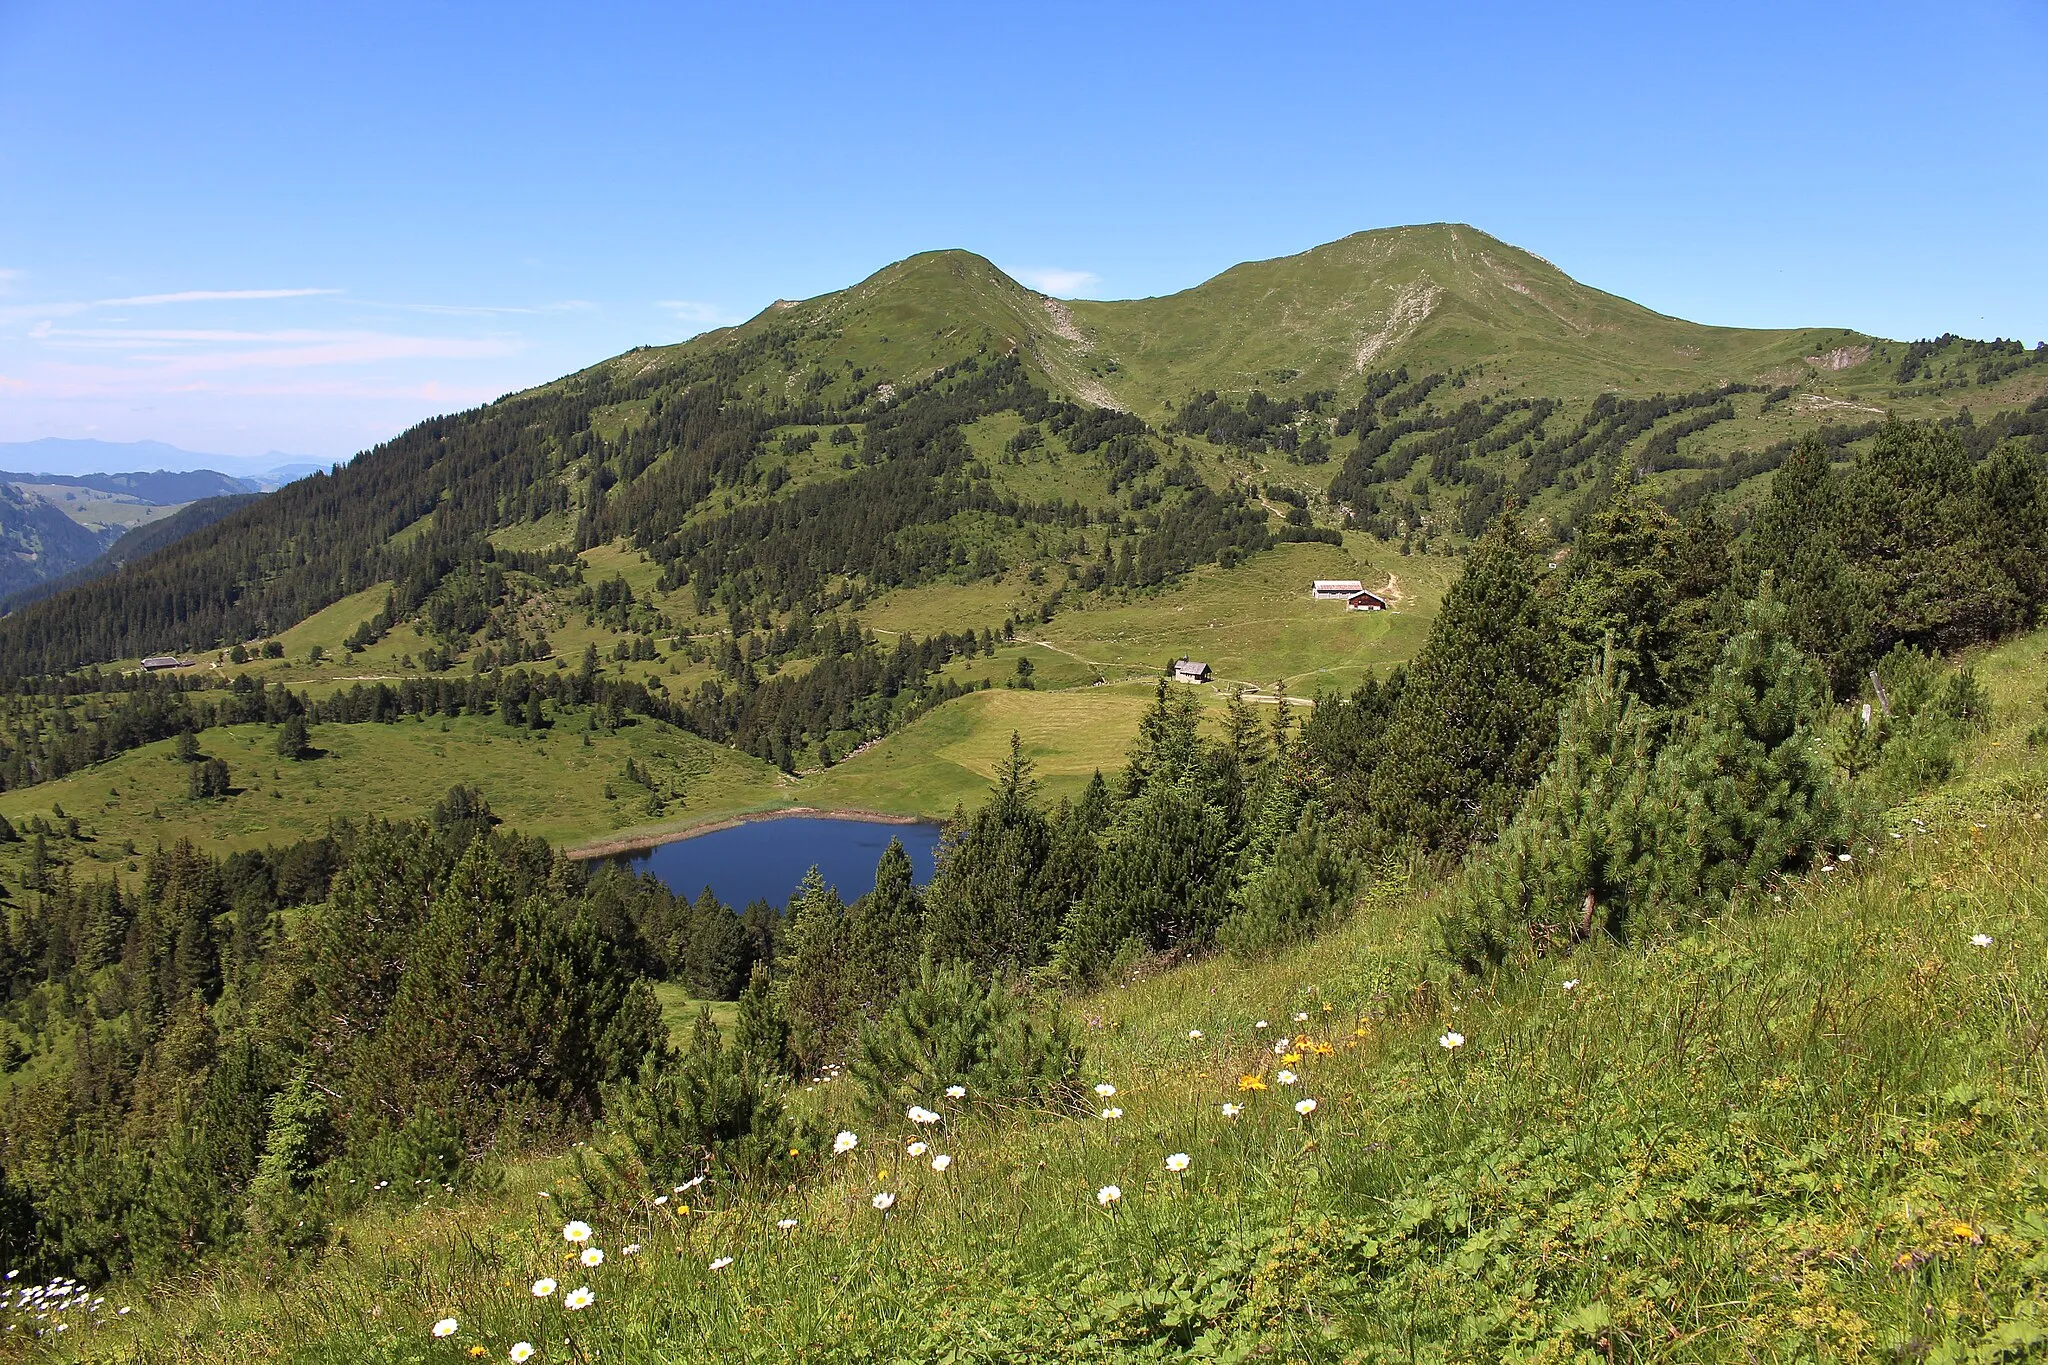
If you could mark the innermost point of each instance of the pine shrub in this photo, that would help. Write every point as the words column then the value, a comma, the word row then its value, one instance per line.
column 950, row 1029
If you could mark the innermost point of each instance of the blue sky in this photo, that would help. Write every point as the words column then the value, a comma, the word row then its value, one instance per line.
column 247, row 227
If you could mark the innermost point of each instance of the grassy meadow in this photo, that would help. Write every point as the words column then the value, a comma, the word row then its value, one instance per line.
column 1093, row 668
column 139, row 799
column 1812, row 1130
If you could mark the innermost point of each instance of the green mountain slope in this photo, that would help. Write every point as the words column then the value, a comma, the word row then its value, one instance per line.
column 749, row 529
column 1437, row 297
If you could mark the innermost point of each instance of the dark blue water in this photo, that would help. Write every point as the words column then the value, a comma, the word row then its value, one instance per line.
column 767, row 859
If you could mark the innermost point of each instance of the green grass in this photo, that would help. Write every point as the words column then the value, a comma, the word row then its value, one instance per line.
column 552, row 786
column 679, row 1011
column 1256, row 624
column 949, row 756
column 1811, row 1130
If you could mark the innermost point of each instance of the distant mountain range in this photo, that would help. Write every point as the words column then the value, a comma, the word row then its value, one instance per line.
column 60, row 455
column 70, row 510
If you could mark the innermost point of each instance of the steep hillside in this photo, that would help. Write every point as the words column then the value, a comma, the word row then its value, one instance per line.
column 133, row 544
column 1812, row 1129
column 1440, row 297
column 38, row 542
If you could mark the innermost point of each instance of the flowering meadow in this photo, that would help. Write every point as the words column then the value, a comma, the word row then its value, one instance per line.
column 1810, row 1130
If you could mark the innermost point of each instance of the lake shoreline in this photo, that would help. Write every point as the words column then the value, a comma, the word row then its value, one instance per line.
column 638, row 843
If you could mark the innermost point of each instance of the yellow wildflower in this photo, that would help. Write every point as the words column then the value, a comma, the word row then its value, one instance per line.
column 1251, row 1082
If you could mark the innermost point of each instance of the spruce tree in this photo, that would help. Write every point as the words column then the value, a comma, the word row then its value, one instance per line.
column 1649, row 587
column 292, row 1144
column 293, row 738
column 988, row 906
column 1475, row 721
column 1570, row 865
column 813, row 984
column 885, row 933
column 1741, row 796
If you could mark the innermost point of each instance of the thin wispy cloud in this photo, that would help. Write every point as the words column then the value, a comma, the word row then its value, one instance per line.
column 7, row 279
column 488, row 310
column 1053, row 279
column 210, row 296
column 696, row 313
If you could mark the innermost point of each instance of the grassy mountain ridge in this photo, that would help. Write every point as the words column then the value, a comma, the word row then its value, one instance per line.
column 1441, row 296
column 1441, row 305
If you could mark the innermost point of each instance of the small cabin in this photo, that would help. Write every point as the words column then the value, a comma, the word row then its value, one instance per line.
column 1190, row 671
column 1331, row 589
column 1363, row 600
column 158, row 662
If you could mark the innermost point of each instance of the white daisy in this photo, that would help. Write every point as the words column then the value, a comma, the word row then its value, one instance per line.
column 577, row 1232
column 883, row 1201
column 844, row 1143
column 579, row 1298
column 941, row 1162
column 1177, row 1162
column 1305, row 1107
column 1451, row 1041
column 1108, row 1195
column 446, row 1327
